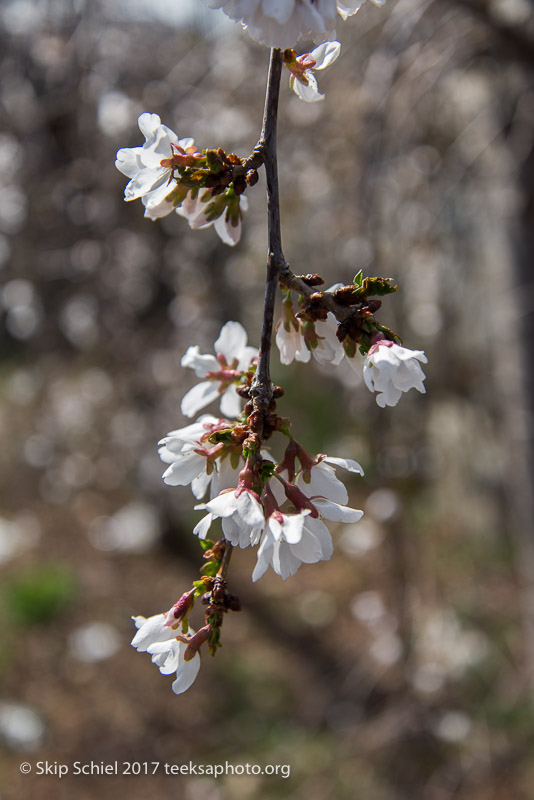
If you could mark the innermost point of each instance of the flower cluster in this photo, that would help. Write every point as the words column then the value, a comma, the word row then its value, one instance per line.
column 169, row 174
column 169, row 638
column 389, row 369
column 279, row 507
column 281, row 23
column 284, row 517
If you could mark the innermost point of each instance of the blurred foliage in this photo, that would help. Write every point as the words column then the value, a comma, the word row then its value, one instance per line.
column 39, row 594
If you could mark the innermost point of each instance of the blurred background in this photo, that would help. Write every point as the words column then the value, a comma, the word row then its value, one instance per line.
column 404, row 667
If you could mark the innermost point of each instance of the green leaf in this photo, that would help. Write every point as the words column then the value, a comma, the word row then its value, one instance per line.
column 206, row 543
column 211, row 568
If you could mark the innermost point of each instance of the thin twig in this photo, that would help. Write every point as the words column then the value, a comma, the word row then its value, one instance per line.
column 261, row 391
column 225, row 563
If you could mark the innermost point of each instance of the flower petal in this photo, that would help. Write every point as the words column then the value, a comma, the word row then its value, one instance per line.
column 186, row 674
column 325, row 54
column 198, row 397
column 231, row 341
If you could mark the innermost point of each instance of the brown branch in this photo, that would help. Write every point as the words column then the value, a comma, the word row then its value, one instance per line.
column 225, row 563
column 262, row 388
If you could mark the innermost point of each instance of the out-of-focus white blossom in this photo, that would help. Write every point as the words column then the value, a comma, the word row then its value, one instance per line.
column 157, row 638
column 223, row 371
column 281, row 23
column 302, row 80
column 390, row 370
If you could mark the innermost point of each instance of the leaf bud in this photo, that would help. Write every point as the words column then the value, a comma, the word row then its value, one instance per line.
column 312, row 279
column 252, row 177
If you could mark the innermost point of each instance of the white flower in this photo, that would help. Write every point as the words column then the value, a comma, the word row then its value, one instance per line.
column 223, row 371
column 226, row 224
column 280, row 23
column 151, row 178
column 302, row 80
column 192, row 461
column 158, row 639
column 291, row 341
column 242, row 516
column 298, row 539
column 148, row 179
column 290, row 540
column 390, row 370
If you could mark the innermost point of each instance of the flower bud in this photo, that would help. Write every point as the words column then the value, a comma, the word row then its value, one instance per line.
column 195, row 642
column 232, row 602
column 180, row 609
column 240, row 184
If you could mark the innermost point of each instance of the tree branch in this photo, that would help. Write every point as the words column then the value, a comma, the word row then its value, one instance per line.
column 262, row 389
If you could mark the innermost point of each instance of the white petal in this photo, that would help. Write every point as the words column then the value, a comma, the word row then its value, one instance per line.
column 228, row 233
column 309, row 93
column 231, row 403
column 232, row 341
column 165, row 655
column 224, row 505
column 265, row 551
column 247, row 354
column 346, row 463
column 249, row 509
column 284, row 561
column 324, row 483
column 201, row 528
column 325, row 54
column 151, row 630
column 336, row 512
column 292, row 526
column 186, row 674
column 199, row 485
column 202, row 364
column 199, row 396
column 184, row 469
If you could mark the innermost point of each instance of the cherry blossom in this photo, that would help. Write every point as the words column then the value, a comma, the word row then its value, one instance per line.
column 302, row 80
column 149, row 180
column 297, row 340
column 390, row 370
column 151, row 172
column 222, row 370
column 289, row 540
column 242, row 516
column 281, row 23
column 157, row 637
column 193, row 461
column 288, row 536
